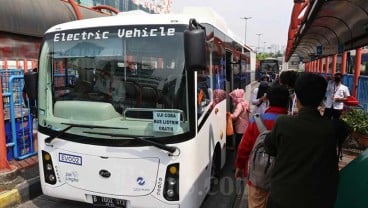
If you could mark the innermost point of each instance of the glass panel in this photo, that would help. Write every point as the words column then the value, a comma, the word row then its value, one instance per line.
column 139, row 70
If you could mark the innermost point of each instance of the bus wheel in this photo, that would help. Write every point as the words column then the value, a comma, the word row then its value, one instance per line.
column 215, row 167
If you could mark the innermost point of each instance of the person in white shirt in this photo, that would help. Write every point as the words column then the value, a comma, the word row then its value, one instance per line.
column 336, row 94
column 259, row 98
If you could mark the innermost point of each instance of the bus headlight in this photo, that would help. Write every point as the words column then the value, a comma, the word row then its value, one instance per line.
column 171, row 187
column 170, row 193
column 171, row 182
column 48, row 168
column 51, row 177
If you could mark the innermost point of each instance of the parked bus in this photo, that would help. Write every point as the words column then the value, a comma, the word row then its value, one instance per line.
column 160, row 143
column 269, row 66
column 294, row 63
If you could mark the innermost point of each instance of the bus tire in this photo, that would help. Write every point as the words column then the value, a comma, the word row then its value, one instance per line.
column 216, row 164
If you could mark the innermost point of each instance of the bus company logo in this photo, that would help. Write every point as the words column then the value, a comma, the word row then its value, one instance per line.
column 72, row 176
column 71, row 159
column 104, row 173
column 140, row 181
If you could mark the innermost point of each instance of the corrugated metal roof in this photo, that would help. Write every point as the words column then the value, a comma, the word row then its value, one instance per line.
column 333, row 25
column 23, row 23
column 34, row 17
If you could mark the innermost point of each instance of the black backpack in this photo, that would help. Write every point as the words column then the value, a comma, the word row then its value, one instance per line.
column 260, row 163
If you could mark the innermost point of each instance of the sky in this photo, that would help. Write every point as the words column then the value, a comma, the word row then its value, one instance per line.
column 270, row 18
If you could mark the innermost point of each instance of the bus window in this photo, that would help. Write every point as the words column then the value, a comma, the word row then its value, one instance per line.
column 204, row 91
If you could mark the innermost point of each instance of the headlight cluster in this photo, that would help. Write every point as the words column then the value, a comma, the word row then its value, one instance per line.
column 171, row 187
column 48, row 168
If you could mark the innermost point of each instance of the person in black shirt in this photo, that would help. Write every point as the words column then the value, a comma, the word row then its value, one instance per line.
column 306, row 172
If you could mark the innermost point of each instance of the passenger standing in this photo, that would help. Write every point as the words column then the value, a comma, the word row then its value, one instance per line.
column 259, row 98
column 336, row 94
column 30, row 102
column 240, row 115
column 275, row 81
column 288, row 78
column 305, row 174
column 278, row 97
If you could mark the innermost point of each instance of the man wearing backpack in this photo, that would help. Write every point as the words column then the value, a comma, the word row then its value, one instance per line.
column 306, row 172
column 278, row 97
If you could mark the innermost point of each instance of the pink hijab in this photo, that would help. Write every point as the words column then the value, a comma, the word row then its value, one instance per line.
column 218, row 95
column 237, row 96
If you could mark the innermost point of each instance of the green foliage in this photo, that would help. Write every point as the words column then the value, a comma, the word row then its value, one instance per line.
column 357, row 119
column 262, row 56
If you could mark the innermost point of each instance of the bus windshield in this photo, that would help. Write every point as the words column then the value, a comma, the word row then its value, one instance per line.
column 270, row 67
column 121, row 76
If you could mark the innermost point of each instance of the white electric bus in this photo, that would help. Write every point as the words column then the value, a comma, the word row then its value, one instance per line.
column 157, row 135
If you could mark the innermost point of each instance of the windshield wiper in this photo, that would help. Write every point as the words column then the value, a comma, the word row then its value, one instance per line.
column 49, row 139
column 156, row 144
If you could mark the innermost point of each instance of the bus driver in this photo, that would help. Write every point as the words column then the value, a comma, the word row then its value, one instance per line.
column 112, row 88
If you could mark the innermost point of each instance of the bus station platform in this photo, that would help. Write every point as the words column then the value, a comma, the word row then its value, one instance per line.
column 26, row 186
column 22, row 183
column 346, row 159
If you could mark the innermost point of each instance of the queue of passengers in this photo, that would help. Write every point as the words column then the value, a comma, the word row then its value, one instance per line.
column 301, row 145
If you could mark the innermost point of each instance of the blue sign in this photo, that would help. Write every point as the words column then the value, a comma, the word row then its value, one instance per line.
column 319, row 50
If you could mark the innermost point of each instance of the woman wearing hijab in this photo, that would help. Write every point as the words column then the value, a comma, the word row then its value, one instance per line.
column 240, row 115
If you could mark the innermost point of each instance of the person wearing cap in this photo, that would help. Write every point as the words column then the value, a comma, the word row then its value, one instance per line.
column 336, row 94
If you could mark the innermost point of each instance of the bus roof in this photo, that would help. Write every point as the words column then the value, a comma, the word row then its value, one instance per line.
column 138, row 17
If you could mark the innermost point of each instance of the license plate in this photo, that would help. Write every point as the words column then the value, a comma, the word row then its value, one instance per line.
column 108, row 202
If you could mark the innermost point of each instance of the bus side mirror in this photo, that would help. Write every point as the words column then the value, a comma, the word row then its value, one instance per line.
column 195, row 49
column 31, row 82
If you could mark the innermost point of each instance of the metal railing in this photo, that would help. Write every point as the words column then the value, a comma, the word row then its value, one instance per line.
column 18, row 119
column 362, row 93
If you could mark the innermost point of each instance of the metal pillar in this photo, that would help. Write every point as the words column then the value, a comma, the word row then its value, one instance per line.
column 334, row 62
column 358, row 61
column 343, row 62
column 245, row 32
column 327, row 66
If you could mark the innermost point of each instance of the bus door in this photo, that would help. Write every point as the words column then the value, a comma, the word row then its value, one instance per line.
column 229, row 78
column 233, row 74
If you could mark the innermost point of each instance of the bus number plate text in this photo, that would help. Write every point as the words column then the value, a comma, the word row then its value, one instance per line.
column 108, row 202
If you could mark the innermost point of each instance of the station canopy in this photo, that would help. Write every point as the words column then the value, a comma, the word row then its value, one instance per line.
column 34, row 17
column 23, row 23
column 321, row 28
